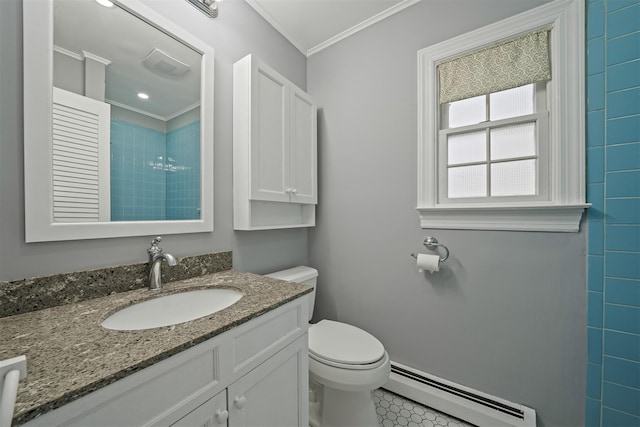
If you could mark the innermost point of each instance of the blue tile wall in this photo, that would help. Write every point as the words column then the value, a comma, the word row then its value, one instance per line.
column 613, row 188
column 592, row 413
column 623, row 210
column 137, row 176
column 595, row 265
column 623, row 399
column 183, row 173
column 594, row 345
column 623, row 49
column 621, row 371
column 623, row 156
column 623, row 184
column 623, row 130
column 612, row 418
column 154, row 176
column 623, row 345
column 595, row 129
column 622, row 318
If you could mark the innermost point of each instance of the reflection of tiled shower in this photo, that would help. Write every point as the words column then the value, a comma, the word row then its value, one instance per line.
column 183, row 172
column 154, row 176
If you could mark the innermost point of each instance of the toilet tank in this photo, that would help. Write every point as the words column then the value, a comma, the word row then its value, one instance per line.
column 301, row 274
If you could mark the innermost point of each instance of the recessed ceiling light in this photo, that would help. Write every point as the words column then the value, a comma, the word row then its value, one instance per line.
column 143, row 95
column 105, row 3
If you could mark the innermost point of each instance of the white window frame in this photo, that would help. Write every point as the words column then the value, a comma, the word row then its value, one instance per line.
column 562, row 209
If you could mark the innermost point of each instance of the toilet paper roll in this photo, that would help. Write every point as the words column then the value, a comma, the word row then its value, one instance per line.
column 428, row 262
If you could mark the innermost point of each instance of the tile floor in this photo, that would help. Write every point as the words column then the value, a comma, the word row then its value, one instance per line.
column 396, row 411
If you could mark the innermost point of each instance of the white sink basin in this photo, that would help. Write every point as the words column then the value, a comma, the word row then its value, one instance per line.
column 171, row 309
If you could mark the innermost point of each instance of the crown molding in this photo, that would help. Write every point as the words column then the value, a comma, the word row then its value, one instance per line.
column 361, row 26
column 338, row 37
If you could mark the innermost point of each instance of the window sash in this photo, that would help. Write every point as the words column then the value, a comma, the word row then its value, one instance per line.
column 541, row 156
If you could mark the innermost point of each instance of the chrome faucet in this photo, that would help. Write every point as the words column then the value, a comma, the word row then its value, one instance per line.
column 156, row 255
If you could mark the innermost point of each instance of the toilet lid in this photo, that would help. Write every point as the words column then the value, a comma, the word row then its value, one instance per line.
column 342, row 343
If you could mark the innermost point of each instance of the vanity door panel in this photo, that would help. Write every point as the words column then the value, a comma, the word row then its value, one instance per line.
column 212, row 413
column 275, row 394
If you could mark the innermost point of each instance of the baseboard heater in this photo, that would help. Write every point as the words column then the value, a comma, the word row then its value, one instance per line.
column 462, row 402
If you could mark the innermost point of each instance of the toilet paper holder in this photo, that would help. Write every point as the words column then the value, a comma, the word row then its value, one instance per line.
column 432, row 243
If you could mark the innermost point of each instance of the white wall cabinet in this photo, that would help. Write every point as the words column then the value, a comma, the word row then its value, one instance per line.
column 253, row 375
column 274, row 150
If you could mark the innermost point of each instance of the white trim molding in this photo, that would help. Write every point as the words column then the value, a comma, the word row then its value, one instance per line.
column 566, row 99
column 560, row 218
column 361, row 26
column 96, row 58
column 307, row 52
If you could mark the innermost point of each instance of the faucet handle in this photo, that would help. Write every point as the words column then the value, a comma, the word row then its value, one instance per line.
column 154, row 249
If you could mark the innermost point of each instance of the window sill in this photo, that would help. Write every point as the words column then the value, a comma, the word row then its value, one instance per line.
column 552, row 218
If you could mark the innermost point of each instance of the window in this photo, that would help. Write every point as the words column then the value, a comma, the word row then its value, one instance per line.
column 494, row 146
column 501, row 147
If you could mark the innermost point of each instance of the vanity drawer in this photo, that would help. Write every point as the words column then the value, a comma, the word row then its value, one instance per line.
column 158, row 395
column 261, row 338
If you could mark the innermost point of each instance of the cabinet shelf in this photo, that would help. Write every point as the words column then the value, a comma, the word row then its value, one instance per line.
column 261, row 215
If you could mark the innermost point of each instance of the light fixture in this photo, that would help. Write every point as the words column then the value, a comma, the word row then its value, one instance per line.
column 143, row 95
column 105, row 3
column 208, row 7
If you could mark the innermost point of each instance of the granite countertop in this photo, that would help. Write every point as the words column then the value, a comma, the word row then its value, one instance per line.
column 69, row 354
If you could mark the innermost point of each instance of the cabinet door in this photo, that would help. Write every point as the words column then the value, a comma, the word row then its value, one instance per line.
column 303, row 148
column 269, row 135
column 212, row 413
column 275, row 394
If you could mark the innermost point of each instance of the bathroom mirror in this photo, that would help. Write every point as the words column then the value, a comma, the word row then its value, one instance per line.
column 118, row 122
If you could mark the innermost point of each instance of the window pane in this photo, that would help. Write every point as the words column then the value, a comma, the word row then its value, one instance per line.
column 513, row 178
column 467, row 112
column 512, row 102
column 467, row 147
column 513, row 141
column 467, row 181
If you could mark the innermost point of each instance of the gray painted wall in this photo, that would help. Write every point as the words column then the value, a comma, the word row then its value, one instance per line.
column 68, row 73
column 235, row 33
column 506, row 314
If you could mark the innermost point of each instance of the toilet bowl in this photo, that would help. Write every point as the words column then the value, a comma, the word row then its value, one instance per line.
column 345, row 365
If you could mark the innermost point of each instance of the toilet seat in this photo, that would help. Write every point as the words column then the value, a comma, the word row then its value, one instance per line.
column 344, row 346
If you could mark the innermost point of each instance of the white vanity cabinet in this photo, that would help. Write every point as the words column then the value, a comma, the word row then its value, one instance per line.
column 269, row 395
column 255, row 374
column 274, row 150
column 211, row 413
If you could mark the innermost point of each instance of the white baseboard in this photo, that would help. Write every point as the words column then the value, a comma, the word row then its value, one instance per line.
column 462, row 402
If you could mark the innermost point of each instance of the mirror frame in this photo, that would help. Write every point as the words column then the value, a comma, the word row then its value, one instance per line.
column 38, row 84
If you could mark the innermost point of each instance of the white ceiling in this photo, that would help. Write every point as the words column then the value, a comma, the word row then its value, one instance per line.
column 124, row 40
column 312, row 25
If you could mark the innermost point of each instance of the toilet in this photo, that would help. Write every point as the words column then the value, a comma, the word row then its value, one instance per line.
column 345, row 365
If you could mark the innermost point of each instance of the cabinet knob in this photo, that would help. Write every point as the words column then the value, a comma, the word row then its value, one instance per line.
column 240, row 401
column 288, row 190
column 222, row 416
column 294, row 190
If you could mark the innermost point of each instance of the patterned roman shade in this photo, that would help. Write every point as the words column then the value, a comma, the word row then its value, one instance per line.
column 514, row 63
